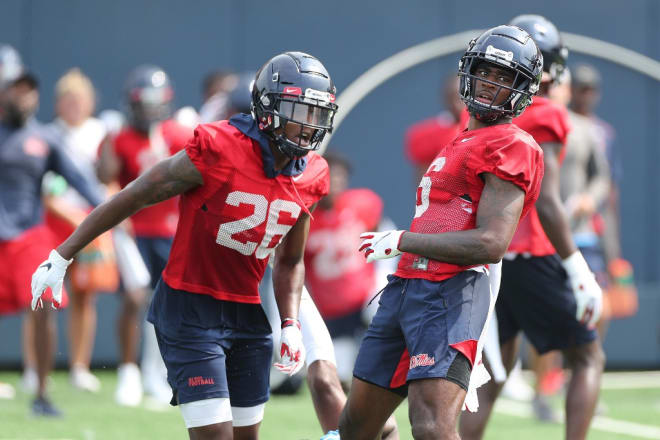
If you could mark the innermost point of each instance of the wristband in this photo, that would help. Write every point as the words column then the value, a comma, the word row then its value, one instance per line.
column 286, row 322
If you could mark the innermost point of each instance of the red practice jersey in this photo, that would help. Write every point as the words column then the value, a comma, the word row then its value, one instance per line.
column 547, row 122
column 337, row 275
column 426, row 138
column 137, row 153
column 448, row 195
column 229, row 226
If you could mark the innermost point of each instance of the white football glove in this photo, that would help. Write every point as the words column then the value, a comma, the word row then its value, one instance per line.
column 50, row 273
column 292, row 350
column 588, row 295
column 380, row 245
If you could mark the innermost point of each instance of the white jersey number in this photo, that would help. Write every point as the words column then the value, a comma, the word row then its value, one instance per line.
column 424, row 188
column 261, row 210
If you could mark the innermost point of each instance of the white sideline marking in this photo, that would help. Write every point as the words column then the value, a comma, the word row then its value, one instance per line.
column 518, row 409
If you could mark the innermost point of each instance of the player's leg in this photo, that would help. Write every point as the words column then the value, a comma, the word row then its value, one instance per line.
column 443, row 322
column 366, row 411
column 82, row 331
column 155, row 252
column 30, row 379
column 326, row 390
column 586, row 363
column 379, row 382
column 472, row 425
column 129, row 323
column 247, row 421
column 44, row 343
column 434, row 407
column 249, row 348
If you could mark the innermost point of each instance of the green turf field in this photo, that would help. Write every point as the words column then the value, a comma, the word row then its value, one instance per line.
column 632, row 401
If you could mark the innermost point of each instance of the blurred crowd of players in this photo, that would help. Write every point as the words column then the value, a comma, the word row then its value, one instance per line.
column 112, row 149
column 115, row 147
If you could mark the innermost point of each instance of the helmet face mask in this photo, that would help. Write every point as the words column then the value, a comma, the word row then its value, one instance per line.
column 506, row 48
column 293, row 102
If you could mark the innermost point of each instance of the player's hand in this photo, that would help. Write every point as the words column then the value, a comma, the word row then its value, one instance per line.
column 50, row 273
column 380, row 245
column 588, row 295
column 292, row 350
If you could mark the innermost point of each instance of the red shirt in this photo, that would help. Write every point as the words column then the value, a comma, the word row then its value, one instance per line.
column 426, row 138
column 137, row 154
column 547, row 122
column 230, row 225
column 337, row 275
column 449, row 193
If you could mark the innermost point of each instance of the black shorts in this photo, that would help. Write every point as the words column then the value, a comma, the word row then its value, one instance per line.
column 536, row 297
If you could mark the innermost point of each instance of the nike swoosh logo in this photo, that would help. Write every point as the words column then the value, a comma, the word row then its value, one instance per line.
column 47, row 265
column 296, row 178
column 467, row 139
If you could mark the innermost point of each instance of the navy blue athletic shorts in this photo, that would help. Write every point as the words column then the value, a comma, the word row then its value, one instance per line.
column 212, row 348
column 420, row 328
column 155, row 252
column 536, row 298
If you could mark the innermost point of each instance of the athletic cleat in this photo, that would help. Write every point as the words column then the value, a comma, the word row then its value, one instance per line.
column 83, row 379
column 129, row 385
column 42, row 407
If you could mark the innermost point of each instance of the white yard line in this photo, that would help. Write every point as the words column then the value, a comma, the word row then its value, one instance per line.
column 637, row 430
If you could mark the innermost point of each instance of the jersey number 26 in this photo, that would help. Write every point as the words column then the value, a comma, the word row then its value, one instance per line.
column 261, row 212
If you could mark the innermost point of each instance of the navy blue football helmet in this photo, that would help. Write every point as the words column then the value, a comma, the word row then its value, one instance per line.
column 508, row 47
column 149, row 94
column 547, row 38
column 11, row 66
column 294, row 87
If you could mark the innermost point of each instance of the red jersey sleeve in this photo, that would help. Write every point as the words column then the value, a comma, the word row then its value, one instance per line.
column 516, row 159
column 202, row 150
column 366, row 204
column 545, row 121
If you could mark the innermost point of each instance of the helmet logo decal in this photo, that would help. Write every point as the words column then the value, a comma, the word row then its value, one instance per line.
column 292, row 91
column 495, row 54
column 321, row 96
column 265, row 100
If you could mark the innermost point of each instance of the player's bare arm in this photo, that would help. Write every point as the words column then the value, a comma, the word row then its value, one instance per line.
column 289, row 269
column 108, row 165
column 549, row 205
column 498, row 214
column 170, row 177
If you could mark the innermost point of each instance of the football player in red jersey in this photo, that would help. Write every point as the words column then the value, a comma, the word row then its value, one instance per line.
column 247, row 187
column 547, row 289
column 151, row 135
column 424, row 139
column 424, row 341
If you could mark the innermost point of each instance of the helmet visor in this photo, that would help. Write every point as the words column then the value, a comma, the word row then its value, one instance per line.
column 306, row 114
